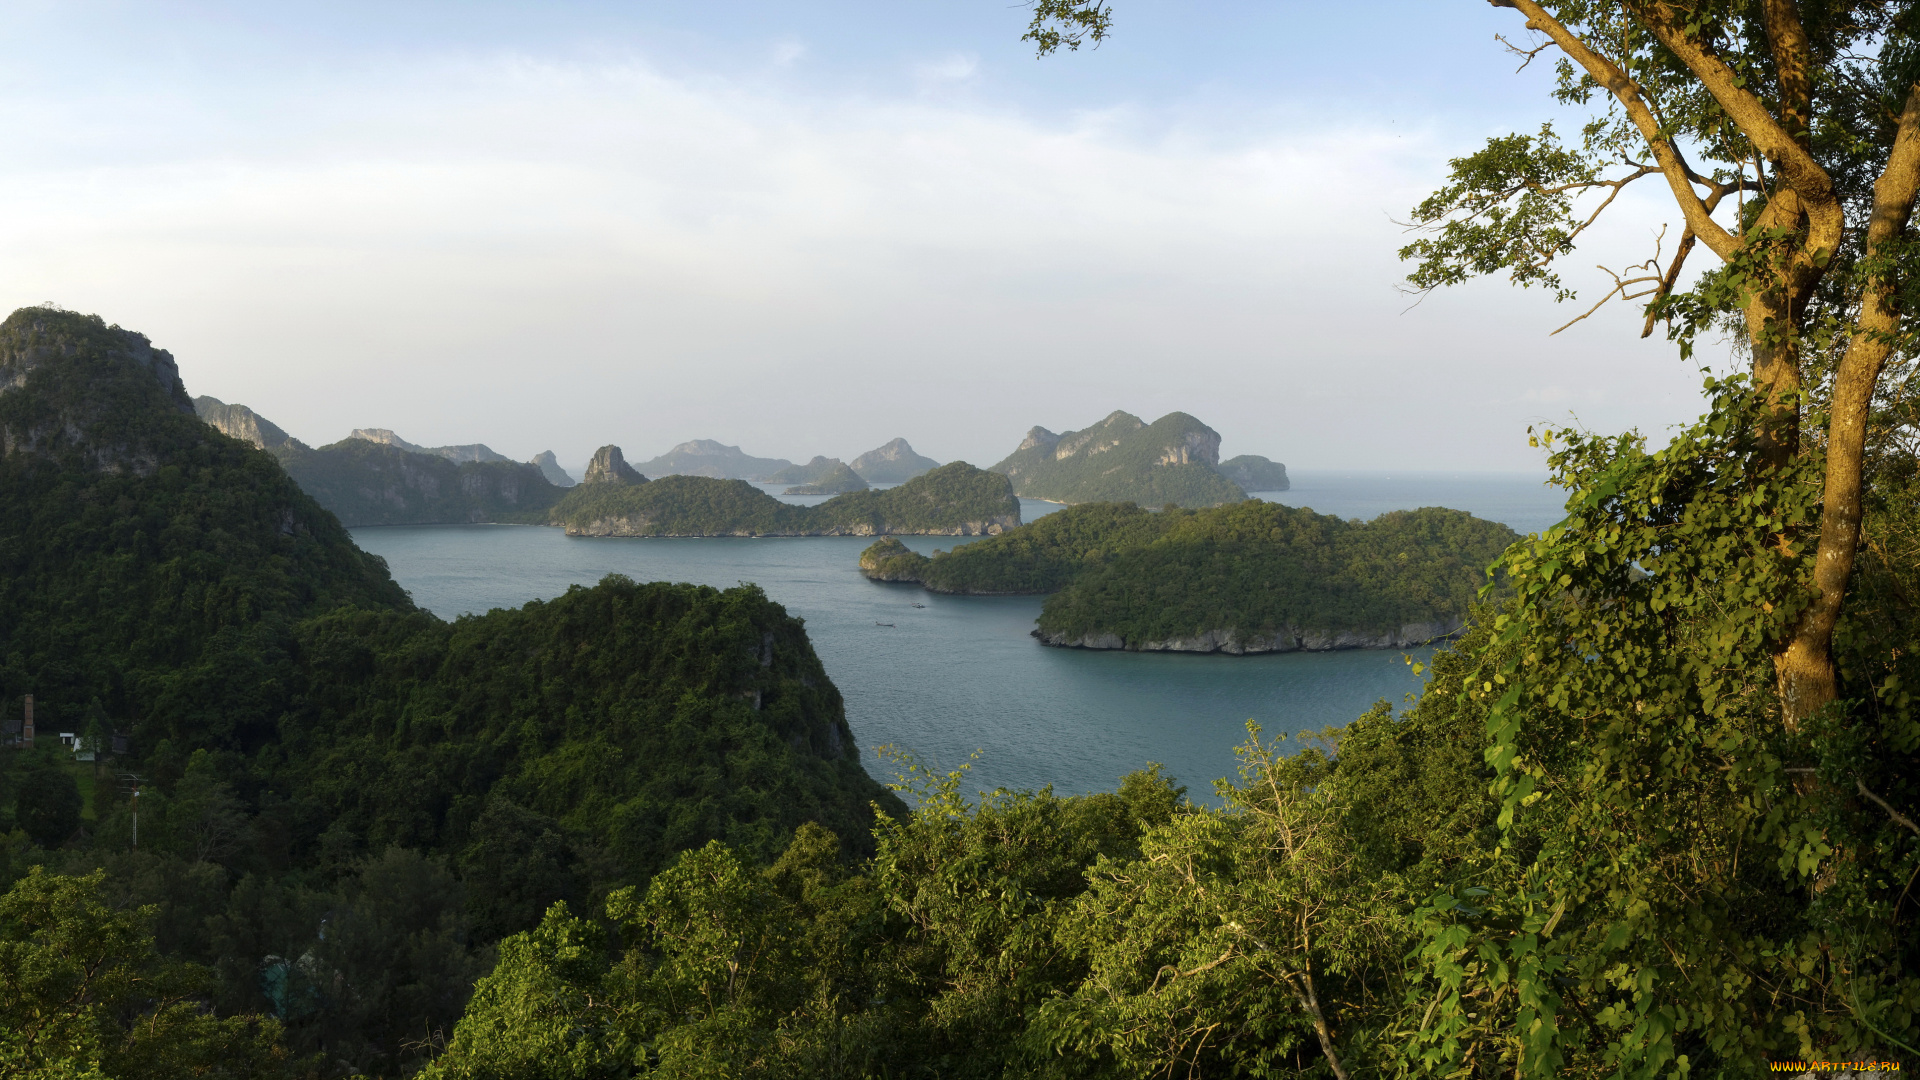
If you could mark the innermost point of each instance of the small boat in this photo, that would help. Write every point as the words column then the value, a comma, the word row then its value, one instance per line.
column 919, row 605
column 886, row 624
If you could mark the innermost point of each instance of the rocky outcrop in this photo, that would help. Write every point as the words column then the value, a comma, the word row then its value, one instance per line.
column 1037, row 438
column 244, row 424
column 549, row 467
column 610, row 465
column 465, row 452
column 1233, row 643
column 894, row 463
column 1123, row 459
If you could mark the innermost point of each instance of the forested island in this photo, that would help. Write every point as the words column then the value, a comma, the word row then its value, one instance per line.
column 1250, row 577
column 1174, row 461
column 953, row 500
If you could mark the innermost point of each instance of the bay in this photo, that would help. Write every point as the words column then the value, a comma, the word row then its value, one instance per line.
column 944, row 677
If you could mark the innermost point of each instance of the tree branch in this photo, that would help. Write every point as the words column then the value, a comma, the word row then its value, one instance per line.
column 1628, row 93
column 1898, row 817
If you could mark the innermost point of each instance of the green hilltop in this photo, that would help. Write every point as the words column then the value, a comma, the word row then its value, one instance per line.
column 1123, row 459
column 955, row 499
column 1248, row 577
column 330, row 773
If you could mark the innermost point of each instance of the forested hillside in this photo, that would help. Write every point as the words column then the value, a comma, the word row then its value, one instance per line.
column 344, row 801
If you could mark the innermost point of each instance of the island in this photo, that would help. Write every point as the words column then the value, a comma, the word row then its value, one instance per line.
column 705, row 457
column 1255, row 473
column 894, row 463
column 810, row 473
column 953, row 500
column 837, row 480
column 1170, row 462
column 1250, row 577
column 374, row 477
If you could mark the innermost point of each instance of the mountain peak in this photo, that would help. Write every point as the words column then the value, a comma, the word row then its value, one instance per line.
column 609, row 464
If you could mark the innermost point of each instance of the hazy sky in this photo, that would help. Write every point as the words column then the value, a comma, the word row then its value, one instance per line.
column 802, row 227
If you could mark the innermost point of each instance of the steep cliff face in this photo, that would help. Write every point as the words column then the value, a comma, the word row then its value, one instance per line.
column 1123, row 459
column 140, row 550
column 894, row 463
column 243, row 423
column 549, row 467
column 464, row 452
column 368, row 483
column 609, row 465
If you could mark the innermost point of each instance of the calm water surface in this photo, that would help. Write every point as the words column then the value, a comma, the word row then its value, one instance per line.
column 961, row 674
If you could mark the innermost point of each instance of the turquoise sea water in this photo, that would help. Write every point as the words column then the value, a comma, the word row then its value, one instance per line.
column 961, row 674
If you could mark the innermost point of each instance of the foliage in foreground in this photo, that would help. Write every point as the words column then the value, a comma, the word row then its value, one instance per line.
column 1587, row 850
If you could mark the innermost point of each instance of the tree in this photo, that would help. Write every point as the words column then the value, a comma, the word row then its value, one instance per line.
column 1789, row 137
column 85, row 996
column 48, row 799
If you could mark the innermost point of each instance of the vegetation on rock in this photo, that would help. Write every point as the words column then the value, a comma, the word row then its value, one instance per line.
column 894, row 463
column 809, row 473
column 1122, row 459
column 369, row 483
column 1255, row 473
column 837, row 480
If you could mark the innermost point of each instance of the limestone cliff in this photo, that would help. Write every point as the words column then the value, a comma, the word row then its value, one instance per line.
column 609, row 465
column 549, row 467
column 243, row 423
column 1123, row 459
column 369, row 483
column 464, row 452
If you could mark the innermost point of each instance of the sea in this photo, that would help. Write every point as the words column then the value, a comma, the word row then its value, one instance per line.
column 958, row 682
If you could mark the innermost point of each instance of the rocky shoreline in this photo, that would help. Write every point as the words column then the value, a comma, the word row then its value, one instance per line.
column 1231, row 643
column 615, row 527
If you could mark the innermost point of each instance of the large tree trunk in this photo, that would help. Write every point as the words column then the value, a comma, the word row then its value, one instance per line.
column 1805, row 668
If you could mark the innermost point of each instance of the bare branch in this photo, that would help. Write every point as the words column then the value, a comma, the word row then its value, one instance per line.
column 1634, row 102
column 1898, row 817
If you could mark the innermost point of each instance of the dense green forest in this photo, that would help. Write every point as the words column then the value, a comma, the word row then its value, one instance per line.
column 955, row 499
column 808, row 473
column 343, row 801
column 1124, row 459
column 1250, row 576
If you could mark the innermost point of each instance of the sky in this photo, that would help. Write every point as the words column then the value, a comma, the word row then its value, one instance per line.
column 806, row 227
